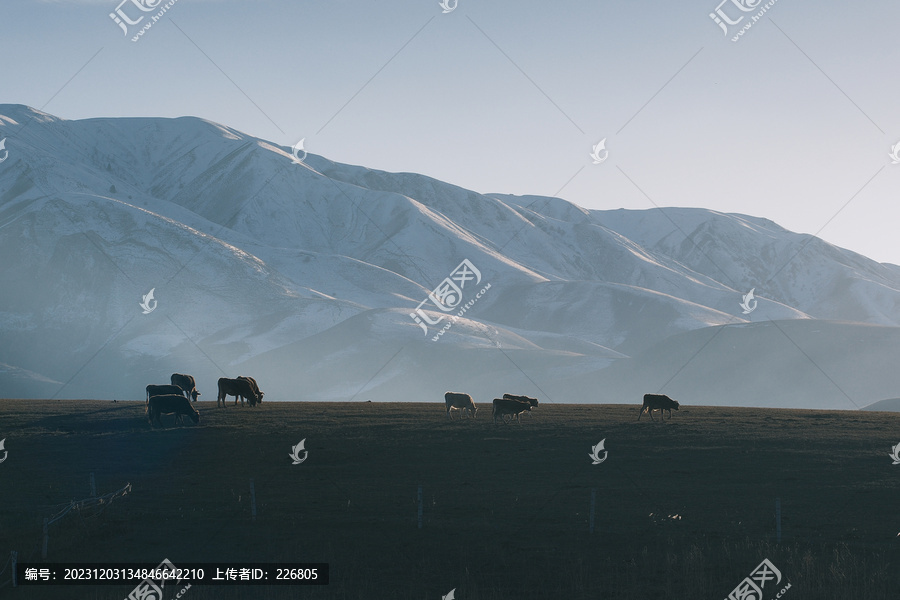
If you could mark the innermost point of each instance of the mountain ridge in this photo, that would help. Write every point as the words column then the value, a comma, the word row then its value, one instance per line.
column 251, row 254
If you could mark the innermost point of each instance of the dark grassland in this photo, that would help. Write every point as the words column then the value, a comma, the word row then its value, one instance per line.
column 505, row 507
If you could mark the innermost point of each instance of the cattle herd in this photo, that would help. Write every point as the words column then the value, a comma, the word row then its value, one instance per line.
column 507, row 408
column 176, row 397
column 510, row 406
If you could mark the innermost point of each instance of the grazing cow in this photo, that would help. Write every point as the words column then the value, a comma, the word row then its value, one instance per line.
column 186, row 383
column 236, row 388
column 506, row 407
column 259, row 394
column 532, row 401
column 171, row 403
column 163, row 390
column 461, row 402
column 659, row 402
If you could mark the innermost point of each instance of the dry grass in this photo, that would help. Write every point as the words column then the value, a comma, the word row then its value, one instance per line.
column 505, row 507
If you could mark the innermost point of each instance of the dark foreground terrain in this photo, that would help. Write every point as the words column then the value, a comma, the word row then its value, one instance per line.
column 683, row 509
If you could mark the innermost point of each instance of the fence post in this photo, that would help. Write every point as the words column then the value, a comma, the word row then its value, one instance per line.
column 44, row 546
column 252, row 500
column 420, row 507
column 13, row 558
column 593, row 504
column 93, row 487
column 778, row 519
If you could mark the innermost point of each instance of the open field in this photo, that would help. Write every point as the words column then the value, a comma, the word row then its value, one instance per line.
column 505, row 506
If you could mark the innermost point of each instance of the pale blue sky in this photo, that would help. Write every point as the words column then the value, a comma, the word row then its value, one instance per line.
column 790, row 123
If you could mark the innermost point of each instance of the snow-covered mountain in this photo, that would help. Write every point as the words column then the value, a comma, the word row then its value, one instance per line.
column 308, row 275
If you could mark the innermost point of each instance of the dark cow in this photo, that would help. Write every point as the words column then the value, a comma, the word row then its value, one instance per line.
column 171, row 403
column 236, row 388
column 506, row 407
column 186, row 383
column 659, row 402
column 463, row 402
column 163, row 390
column 259, row 394
column 532, row 401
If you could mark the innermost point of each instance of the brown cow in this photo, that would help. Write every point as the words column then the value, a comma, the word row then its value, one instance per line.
column 236, row 388
column 186, row 383
column 170, row 403
column 506, row 407
column 463, row 402
column 532, row 401
column 259, row 394
column 163, row 390
column 659, row 402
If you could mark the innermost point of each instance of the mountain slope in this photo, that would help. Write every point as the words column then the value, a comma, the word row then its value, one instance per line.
column 319, row 268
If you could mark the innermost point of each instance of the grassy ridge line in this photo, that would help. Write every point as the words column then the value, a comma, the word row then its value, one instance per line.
column 498, row 498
